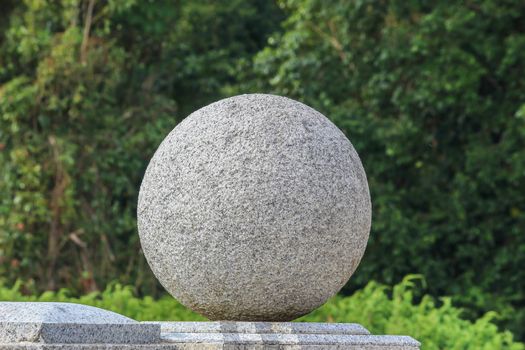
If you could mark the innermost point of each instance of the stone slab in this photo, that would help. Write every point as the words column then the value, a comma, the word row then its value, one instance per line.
column 263, row 327
column 246, row 336
column 68, row 323
column 279, row 335
column 364, row 342
column 61, row 326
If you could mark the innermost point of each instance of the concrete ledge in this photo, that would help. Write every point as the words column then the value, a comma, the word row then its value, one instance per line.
column 62, row 326
column 67, row 323
column 262, row 327
column 276, row 335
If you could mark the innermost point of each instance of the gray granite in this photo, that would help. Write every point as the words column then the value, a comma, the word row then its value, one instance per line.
column 254, row 208
column 280, row 334
column 384, row 341
column 69, row 323
column 213, row 346
column 244, row 335
column 263, row 327
column 54, row 312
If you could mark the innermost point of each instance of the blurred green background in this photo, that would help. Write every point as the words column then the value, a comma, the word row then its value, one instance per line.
column 431, row 94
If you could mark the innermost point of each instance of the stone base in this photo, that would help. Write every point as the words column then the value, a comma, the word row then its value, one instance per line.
column 245, row 336
column 61, row 326
column 279, row 335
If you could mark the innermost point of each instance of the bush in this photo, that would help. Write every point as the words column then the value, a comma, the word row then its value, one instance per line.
column 432, row 96
column 436, row 324
column 381, row 309
column 431, row 93
column 83, row 105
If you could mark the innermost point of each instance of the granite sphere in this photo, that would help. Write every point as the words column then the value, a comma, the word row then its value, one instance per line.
column 254, row 208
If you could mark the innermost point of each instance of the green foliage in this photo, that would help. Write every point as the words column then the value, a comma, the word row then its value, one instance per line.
column 380, row 309
column 432, row 95
column 437, row 325
column 115, row 297
column 87, row 92
column 73, row 150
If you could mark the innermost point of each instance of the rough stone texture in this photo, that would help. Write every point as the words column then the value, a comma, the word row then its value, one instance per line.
column 350, row 341
column 349, row 345
column 248, row 336
column 69, row 323
column 255, row 207
column 281, row 334
column 263, row 327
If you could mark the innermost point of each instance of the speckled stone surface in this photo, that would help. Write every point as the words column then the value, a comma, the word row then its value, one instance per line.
column 212, row 346
column 350, row 341
column 263, row 327
column 69, row 323
column 248, row 336
column 254, row 208
column 327, row 335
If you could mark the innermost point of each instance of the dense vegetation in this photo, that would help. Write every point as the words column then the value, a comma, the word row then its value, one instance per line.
column 380, row 309
column 431, row 93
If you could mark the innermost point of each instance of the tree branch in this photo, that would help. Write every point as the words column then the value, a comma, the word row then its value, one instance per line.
column 87, row 29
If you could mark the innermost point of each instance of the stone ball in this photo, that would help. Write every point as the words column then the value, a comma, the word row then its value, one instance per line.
column 254, row 208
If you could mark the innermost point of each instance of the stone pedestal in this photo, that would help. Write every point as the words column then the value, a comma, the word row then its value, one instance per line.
column 54, row 326
column 279, row 335
column 254, row 208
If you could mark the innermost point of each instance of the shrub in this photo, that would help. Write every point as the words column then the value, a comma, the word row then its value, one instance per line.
column 436, row 324
column 383, row 310
column 432, row 96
